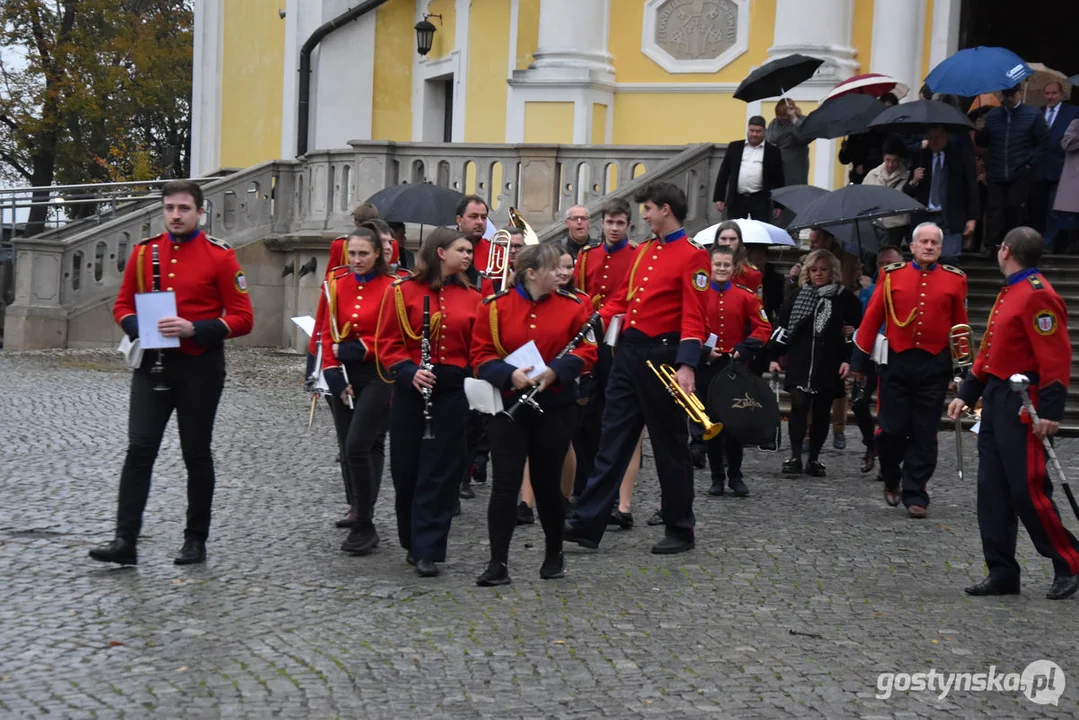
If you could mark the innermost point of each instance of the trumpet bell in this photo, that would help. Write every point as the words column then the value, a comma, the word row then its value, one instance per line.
column 959, row 342
column 518, row 221
column 689, row 403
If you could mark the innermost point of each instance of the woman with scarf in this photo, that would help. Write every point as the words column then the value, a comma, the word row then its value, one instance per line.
column 810, row 333
column 894, row 173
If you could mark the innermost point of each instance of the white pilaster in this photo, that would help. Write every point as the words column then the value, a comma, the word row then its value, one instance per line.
column 206, row 88
column 944, row 40
column 342, row 109
column 898, row 32
column 463, row 9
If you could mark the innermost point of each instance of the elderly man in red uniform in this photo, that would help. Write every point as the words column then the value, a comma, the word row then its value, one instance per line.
column 211, row 305
column 1028, row 325
column 916, row 304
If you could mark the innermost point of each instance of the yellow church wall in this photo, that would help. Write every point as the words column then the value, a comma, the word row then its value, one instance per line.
column 632, row 65
column 488, row 58
column 445, row 29
column 391, row 111
column 599, row 124
column 677, row 118
column 527, row 31
column 251, row 83
column 549, row 122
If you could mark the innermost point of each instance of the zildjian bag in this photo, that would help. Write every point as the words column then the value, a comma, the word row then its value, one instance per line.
column 745, row 405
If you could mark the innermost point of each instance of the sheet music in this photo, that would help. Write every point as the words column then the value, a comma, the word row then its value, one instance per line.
column 614, row 330
column 131, row 351
column 305, row 323
column 711, row 341
column 528, row 355
column 149, row 308
column 483, row 396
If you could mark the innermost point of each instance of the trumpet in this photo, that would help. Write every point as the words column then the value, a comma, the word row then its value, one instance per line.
column 498, row 255
column 690, row 403
column 962, row 358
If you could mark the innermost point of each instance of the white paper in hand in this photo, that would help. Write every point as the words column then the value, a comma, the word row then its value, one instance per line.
column 711, row 341
column 528, row 355
column 131, row 351
column 614, row 330
column 305, row 323
column 482, row 396
column 149, row 308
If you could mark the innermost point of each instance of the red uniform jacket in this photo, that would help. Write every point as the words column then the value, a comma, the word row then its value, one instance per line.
column 338, row 257
column 400, row 327
column 510, row 319
column 1028, row 326
column 356, row 302
column 735, row 316
column 915, row 307
column 479, row 254
column 210, row 287
column 601, row 270
column 664, row 293
column 748, row 277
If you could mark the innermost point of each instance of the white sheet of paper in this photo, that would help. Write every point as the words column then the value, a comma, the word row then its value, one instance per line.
column 149, row 308
column 614, row 330
column 482, row 396
column 305, row 323
column 132, row 352
column 976, row 427
column 880, row 350
column 711, row 341
column 528, row 355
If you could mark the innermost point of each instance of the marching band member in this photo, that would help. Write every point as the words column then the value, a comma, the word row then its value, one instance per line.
column 917, row 304
column 211, row 305
column 426, row 473
column 729, row 234
column 1031, row 334
column 390, row 251
column 671, row 273
column 356, row 295
column 536, row 309
column 735, row 316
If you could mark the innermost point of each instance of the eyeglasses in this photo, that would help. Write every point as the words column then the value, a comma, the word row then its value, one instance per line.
column 578, row 218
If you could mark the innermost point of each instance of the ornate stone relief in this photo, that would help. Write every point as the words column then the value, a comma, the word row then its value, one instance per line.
column 695, row 36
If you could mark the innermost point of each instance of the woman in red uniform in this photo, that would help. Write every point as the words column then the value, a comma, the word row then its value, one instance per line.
column 350, row 366
column 534, row 309
column 745, row 274
column 389, row 246
column 426, row 471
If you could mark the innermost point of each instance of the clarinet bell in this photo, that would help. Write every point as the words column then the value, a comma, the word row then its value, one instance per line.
column 428, row 432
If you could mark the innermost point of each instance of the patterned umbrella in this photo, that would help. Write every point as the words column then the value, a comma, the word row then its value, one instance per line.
column 874, row 84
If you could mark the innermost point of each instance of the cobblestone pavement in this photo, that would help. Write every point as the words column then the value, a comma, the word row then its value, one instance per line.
column 793, row 602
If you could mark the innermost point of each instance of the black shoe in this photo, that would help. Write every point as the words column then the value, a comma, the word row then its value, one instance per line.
column 426, row 568
column 362, row 540
column 738, row 486
column 409, row 559
column 697, row 454
column 496, row 574
column 994, row 586
column 656, row 519
column 792, row 466
column 839, row 439
column 479, row 472
column 466, row 492
column 192, row 553
column 671, row 545
column 717, row 488
column 816, row 469
column 573, row 535
column 553, row 567
column 118, row 551
column 349, row 520
column 525, row 516
column 1063, row 586
column 623, row 520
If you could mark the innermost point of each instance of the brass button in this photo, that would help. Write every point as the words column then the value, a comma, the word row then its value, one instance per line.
column 645, row 280
column 173, row 261
column 355, row 315
column 649, row 267
column 175, row 247
column 532, row 326
column 172, row 275
column 168, row 289
column 632, row 322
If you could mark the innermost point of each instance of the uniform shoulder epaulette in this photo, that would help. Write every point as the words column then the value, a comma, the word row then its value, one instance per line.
column 695, row 244
column 401, row 281
column 743, row 287
column 1036, row 282
column 894, row 266
column 751, row 266
column 491, row 298
column 569, row 294
column 591, row 247
column 146, row 241
column 220, row 243
column 582, row 294
column 953, row 269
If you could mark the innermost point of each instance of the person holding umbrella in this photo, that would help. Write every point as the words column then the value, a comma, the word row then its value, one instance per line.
column 794, row 149
column 945, row 181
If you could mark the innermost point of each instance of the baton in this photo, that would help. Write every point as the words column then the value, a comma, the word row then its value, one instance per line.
column 1020, row 383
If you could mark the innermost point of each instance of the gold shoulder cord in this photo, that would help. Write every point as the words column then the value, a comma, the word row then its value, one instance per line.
column 140, row 269
column 633, row 272
column 492, row 315
column 891, row 306
column 580, row 269
column 345, row 330
column 378, row 333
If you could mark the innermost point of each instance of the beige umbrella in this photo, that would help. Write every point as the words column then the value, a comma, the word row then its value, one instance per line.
column 1043, row 76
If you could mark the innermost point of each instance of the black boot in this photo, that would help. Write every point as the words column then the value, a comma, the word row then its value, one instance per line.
column 553, row 567
column 193, row 552
column 793, row 466
column 496, row 574
column 362, row 540
column 525, row 516
column 118, row 551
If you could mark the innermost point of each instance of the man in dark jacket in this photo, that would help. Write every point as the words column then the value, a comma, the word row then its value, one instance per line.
column 1057, row 115
column 751, row 169
column 1016, row 139
column 946, row 182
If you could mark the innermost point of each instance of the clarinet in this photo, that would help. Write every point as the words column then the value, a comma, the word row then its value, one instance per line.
column 425, row 364
column 528, row 399
column 158, row 370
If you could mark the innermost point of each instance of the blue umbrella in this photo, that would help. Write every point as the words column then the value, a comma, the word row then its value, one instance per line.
column 978, row 70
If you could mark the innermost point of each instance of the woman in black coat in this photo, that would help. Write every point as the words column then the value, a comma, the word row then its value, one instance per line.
column 810, row 333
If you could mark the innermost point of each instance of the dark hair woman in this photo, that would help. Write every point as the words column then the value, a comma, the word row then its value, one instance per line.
column 729, row 233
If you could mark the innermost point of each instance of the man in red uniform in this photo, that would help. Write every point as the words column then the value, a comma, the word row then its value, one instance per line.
column 211, row 305
column 671, row 274
column 916, row 304
column 472, row 223
column 1028, row 325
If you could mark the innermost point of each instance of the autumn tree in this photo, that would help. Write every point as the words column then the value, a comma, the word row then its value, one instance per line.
column 94, row 91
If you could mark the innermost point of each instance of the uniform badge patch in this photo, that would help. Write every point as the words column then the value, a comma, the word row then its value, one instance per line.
column 241, row 282
column 1045, row 322
column 700, row 280
column 764, row 315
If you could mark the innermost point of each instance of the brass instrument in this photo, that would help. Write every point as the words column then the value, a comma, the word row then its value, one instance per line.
column 498, row 255
column 690, row 403
column 962, row 358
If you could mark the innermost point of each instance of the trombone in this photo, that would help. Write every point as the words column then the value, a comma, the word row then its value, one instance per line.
column 962, row 358
column 690, row 403
column 498, row 254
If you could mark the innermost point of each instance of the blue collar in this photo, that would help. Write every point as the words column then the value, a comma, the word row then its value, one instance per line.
column 914, row 264
column 523, row 292
column 612, row 249
column 676, row 235
column 1020, row 276
column 366, row 278
column 184, row 238
column 720, row 288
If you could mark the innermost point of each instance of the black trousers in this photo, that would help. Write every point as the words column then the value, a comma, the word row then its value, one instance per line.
column 426, row 473
column 724, row 452
column 1013, row 484
column 636, row 399
column 341, row 460
column 912, row 389
column 361, row 433
column 814, row 409
column 543, row 440
column 195, row 384
column 586, row 437
column 756, row 205
column 861, row 405
column 478, row 446
column 1008, row 204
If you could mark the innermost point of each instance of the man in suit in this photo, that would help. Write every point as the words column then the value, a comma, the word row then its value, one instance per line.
column 1058, row 115
column 751, row 169
column 945, row 181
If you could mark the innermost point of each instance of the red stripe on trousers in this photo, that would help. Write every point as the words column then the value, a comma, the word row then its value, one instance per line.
column 1043, row 506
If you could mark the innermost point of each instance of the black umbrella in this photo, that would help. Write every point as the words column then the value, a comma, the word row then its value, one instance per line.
column 841, row 116
column 855, row 204
column 919, row 115
column 797, row 198
column 421, row 203
column 776, row 77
